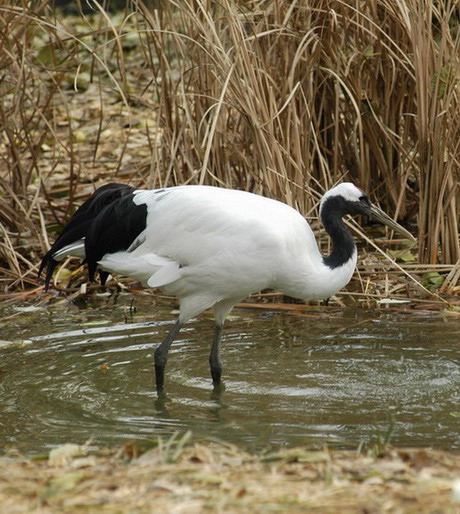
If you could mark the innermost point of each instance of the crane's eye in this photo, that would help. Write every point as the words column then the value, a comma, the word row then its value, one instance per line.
column 365, row 199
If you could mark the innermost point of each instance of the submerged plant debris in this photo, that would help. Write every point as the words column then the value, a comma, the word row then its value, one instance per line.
column 179, row 476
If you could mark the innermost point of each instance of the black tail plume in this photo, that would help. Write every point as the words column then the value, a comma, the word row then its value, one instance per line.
column 78, row 226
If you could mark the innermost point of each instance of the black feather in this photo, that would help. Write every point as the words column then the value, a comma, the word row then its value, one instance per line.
column 81, row 224
column 343, row 244
column 103, row 275
column 114, row 229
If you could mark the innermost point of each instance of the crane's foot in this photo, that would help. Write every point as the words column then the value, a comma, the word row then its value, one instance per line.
column 217, row 392
column 160, row 404
column 218, row 388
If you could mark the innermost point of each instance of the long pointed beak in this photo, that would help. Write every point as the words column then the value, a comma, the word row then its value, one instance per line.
column 379, row 215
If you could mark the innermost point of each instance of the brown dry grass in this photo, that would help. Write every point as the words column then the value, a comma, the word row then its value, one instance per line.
column 208, row 477
column 278, row 97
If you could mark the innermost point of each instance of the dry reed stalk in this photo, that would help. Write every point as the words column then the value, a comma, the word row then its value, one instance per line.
column 436, row 64
column 294, row 97
column 277, row 97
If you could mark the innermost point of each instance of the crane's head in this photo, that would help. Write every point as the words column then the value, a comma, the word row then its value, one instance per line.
column 346, row 198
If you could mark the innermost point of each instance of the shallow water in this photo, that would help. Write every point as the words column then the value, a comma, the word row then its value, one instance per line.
column 79, row 372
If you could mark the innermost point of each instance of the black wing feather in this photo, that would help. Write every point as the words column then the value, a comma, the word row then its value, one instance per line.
column 104, row 217
column 114, row 229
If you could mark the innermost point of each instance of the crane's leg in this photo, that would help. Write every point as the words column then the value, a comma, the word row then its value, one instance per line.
column 214, row 358
column 161, row 355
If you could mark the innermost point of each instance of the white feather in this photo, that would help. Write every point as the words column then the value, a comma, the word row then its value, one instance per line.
column 76, row 249
column 213, row 247
column 346, row 190
column 208, row 245
column 165, row 275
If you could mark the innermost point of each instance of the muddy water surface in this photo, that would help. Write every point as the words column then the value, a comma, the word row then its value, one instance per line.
column 78, row 372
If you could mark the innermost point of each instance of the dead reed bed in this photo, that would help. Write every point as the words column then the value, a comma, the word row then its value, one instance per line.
column 284, row 98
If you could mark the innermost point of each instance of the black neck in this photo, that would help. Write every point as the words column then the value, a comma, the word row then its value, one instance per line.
column 343, row 244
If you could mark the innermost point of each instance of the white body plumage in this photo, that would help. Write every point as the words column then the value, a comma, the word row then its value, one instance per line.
column 213, row 247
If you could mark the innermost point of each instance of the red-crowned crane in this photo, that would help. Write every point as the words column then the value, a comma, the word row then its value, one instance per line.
column 212, row 247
